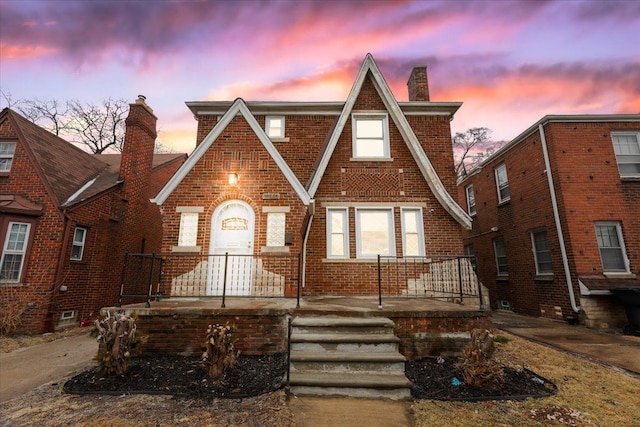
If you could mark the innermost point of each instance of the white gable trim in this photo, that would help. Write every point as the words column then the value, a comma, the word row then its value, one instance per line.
column 238, row 107
column 428, row 172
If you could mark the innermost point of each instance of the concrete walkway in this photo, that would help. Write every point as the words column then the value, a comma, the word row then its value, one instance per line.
column 609, row 348
column 27, row 368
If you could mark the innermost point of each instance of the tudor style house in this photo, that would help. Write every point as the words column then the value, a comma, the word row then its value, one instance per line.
column 332, row 185
column 68, row 217
column 557, row 218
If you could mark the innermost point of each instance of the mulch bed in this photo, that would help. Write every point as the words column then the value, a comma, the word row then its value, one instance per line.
column 255, row 375
column 438, row 379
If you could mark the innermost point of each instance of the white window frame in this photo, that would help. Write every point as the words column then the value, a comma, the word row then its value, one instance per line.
column 79, row 243
column 419, row 231
column 502, row 184
column 621, row 248
column 188, row 232
column 275, row 233
column 538, row 251
column 626, row 157
column 497, row 258
column 391, row 241
column 471, row 200
column 384, row 118
column 344, row 232
column 268, row 128
column 22, row 252
column 7, row 154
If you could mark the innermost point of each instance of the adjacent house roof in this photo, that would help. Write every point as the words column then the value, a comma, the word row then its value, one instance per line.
column 70, row 174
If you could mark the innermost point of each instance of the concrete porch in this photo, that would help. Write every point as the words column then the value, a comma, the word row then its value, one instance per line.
column 425, row 327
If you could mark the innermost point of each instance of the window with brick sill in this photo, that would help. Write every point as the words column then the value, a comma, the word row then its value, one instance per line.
column 14, row 252
column 627, row 149
column 7, row 151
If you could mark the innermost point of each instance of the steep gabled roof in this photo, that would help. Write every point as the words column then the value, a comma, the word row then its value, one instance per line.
column 426, row 168
column 63, row 167
column 238, row 107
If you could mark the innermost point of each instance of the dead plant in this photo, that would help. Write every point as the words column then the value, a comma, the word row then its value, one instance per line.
column 120, row 339
column 220, row 353
column 11, row 310
column 477, row 365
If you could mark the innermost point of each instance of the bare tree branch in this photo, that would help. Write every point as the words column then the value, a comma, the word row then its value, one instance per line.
column 471, row 147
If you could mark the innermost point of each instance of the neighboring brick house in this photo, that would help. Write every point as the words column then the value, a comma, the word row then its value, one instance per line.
column 338, row 182
column 67, row 217
column 588, row 208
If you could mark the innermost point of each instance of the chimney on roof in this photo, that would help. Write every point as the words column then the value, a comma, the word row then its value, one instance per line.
column 139, row 144
column 418, row 84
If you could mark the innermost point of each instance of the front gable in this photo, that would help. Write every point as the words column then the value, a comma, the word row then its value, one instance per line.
column 362, row 100
column 236, row 112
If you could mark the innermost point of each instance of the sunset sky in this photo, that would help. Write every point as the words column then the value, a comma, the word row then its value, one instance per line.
column 509, row 62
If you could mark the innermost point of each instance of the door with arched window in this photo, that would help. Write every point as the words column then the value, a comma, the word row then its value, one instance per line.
column 232, row 227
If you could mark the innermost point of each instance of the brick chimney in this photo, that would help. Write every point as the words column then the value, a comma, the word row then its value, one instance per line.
column 139, row 143
column 418, row 84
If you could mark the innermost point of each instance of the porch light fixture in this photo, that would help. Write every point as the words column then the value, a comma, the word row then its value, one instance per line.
column 234, row 178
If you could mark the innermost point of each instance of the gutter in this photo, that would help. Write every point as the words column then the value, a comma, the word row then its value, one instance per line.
column 556, row 217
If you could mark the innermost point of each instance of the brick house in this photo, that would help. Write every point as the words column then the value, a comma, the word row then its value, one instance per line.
column 67, row 217
column 554, row 244
column 336, row 183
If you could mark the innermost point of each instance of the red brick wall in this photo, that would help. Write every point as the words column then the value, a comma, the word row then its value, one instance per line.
column 588, row 189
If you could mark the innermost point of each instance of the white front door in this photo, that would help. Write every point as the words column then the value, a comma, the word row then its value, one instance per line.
column 231, row 232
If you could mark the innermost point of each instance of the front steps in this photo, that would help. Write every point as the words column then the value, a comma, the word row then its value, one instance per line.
column 347, row 356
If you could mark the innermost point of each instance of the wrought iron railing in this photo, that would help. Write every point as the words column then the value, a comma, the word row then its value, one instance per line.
column 147, row 277
column 448, row 278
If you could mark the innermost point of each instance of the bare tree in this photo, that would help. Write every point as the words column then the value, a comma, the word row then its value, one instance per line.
column 471, row 147
column 96, row 126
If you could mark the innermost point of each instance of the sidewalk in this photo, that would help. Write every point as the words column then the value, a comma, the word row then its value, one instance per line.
column 605, row 347
column 27, row 368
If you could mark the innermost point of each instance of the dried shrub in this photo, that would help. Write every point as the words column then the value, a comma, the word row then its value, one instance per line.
column 220, row 353
column 11, row 310
column 477, row 365
column 120, row 339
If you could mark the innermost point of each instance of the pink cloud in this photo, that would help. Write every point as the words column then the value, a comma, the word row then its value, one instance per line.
column 22, row 51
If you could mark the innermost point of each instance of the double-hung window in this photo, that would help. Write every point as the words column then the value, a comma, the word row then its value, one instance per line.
column 502, row 183
column 7, row 150
column 471, row 200
column 501, row 256
column 412, row 232
column 627, row 149
column 611, row 245
column 77, row 247
column 375, row 233
column 14, row 252
column 274, row 126
column 337, row 233
column 541, row 252
column 370, row 136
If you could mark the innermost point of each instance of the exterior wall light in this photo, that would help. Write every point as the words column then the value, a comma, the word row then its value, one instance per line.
column 234, row 178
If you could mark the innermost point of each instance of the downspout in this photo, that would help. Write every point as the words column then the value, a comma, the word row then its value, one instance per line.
column 556, row 217
column 312, row 211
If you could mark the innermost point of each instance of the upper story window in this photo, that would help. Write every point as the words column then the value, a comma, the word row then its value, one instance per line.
column 337, row 233
column 541, row 252
column 627, row 148
column 77, row 248
column 501, row 256
column 14, row 252
column 471, row 200
column 370, row 136
column 412, row 232
column 375, row 233
column 7, row 150
column 274, row 126
column 502, row 183
column 611, row 246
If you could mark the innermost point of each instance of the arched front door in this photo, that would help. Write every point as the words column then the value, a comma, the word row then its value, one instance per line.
column 232, row 226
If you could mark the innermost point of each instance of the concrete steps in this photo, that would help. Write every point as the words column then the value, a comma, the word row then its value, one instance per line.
column 346, row 356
